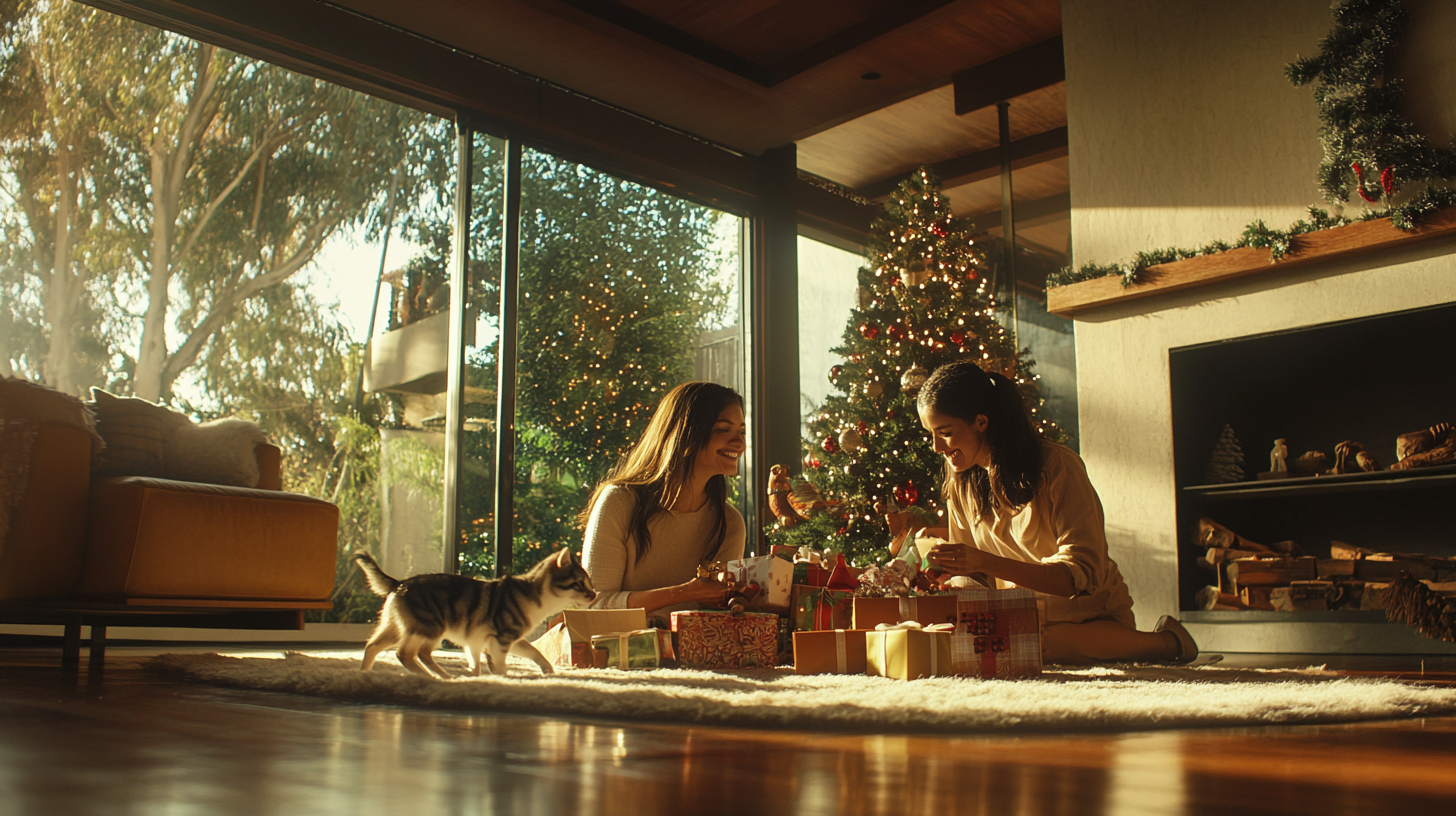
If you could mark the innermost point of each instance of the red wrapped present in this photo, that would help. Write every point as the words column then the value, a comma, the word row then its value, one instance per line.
column 815, row 608
column 998, row 634
column 723, row 640
column 923, row 609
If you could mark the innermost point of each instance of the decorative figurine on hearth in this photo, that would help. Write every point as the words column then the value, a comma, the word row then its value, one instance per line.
column 1351, row 457
column 1432, row 447
column 1278, row 456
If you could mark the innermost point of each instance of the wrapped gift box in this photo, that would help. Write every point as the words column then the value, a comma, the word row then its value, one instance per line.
column 774, row 576
column 841, row 651
column 567, row 644
column 998, row 634
column 722, row 640
column 815, row 607
column 924, row 609
column 638, row 649
column 909, row 654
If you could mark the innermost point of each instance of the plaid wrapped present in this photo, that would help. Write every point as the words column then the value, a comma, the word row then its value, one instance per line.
column 639, row 649
column 905, row 651
column 774, row 576
column 815, row 608
column 830, row 652
column 998, row 634
column 722, row 640
column 924, row 609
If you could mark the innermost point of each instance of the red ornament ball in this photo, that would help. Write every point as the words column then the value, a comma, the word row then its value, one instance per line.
column 896, row 331
column 940, row 230
column 830, row 444
column 835, row 372
column 869, row 332
column 862, row 426
column 958, row 337
column 906, row 494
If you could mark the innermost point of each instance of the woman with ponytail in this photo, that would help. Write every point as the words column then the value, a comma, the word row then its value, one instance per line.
column 1023, row 512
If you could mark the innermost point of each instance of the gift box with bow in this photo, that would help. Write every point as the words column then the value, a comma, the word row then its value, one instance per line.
column 909, row 651
column 998, row 634
column 821, row 608
column 923, row 609
column 568, row 643
column 773, row 575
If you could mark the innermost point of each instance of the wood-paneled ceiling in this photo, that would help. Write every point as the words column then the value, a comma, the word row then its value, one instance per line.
column 866, row 89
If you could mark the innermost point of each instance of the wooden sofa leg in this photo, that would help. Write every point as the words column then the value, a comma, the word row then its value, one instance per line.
column 71, row 643
column 98, row 647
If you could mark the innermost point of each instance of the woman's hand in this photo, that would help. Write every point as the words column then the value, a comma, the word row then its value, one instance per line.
column 957, row 559
column 708, row 591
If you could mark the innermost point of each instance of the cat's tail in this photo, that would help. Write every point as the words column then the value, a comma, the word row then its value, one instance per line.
column 379, row 582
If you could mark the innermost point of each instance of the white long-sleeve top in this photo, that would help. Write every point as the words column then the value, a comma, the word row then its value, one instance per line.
column 1063, row 524
column 678, row 540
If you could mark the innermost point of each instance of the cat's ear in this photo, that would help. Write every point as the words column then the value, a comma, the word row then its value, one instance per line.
column 564, row 559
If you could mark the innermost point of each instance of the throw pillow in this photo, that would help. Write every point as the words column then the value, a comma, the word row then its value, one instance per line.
column 146, row 439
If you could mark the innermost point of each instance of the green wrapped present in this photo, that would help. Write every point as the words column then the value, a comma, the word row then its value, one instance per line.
column 637, row 649
column 819, row 608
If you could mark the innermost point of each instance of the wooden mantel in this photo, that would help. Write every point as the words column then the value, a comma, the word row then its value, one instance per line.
column 1075, row 299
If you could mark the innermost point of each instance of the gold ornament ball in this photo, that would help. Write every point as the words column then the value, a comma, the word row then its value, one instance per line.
column 874, row 390
column 851, row 440
column 912, row 380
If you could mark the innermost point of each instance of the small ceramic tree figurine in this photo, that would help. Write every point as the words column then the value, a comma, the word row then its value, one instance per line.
column 1277, row 457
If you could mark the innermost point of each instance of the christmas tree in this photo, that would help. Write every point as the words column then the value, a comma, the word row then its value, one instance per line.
column 1226, row 465
column 923, row 301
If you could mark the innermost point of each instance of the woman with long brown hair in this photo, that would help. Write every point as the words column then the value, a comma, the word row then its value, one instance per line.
column 1023, row 512
column 664, row 510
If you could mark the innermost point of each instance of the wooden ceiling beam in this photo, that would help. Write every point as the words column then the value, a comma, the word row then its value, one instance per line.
column 643, row 25
column 1020, row 72
column 1031, row 150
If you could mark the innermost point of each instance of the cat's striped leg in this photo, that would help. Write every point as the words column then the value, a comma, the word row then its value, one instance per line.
column 427, row 657
column 409, row 655
column 496, row 654
column 525, row 649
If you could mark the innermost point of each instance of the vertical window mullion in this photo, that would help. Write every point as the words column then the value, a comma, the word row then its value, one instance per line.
column 505, row 449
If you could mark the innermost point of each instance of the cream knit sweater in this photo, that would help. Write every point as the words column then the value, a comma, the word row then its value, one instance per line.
column 676, row 551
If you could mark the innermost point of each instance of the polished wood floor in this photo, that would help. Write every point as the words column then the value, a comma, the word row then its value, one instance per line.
column 127, row 742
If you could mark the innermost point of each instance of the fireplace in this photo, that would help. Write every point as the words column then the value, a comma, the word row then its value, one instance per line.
column 1369, row 380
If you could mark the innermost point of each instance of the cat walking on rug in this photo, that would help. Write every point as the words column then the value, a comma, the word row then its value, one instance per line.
column 485, row 618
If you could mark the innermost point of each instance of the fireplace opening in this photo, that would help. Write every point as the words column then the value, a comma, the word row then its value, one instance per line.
column 1367, row 380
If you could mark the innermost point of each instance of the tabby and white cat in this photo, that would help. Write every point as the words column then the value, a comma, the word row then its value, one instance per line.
column 480, row 616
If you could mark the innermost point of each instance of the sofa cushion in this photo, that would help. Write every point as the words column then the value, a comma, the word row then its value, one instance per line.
column 157, row 538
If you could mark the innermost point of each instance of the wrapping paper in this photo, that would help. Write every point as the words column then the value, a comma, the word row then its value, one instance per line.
column 638, row 649
column 722, row 640
column 909, row 653
column 838, row 651
column 815, row 608
column 998, row 634
column 567, row 644
column 923, row 609
column 774, row 576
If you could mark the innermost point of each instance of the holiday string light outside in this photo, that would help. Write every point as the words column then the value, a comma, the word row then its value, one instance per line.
column 922, row 302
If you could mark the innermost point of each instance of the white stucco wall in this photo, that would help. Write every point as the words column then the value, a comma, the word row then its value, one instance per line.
column 1183, row 130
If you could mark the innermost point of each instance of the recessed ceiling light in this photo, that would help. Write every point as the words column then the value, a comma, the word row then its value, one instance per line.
column 871, row 75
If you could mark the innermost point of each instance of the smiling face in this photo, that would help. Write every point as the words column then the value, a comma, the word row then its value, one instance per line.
column 725, row 445
column 962, row 443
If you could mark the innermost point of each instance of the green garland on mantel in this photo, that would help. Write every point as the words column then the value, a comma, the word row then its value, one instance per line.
column 1369, row 146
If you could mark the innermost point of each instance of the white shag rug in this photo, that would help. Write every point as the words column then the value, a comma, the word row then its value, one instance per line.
column 1098, row 699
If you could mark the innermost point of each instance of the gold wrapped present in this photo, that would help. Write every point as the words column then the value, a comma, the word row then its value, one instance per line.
column 906, row 651
column 638, row 649
column 833, row 651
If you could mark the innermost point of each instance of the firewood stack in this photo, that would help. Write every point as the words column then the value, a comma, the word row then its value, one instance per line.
column 1418, row 590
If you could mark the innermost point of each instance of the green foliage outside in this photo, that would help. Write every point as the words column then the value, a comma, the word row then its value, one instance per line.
column 178, row 279
column 923, row 302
